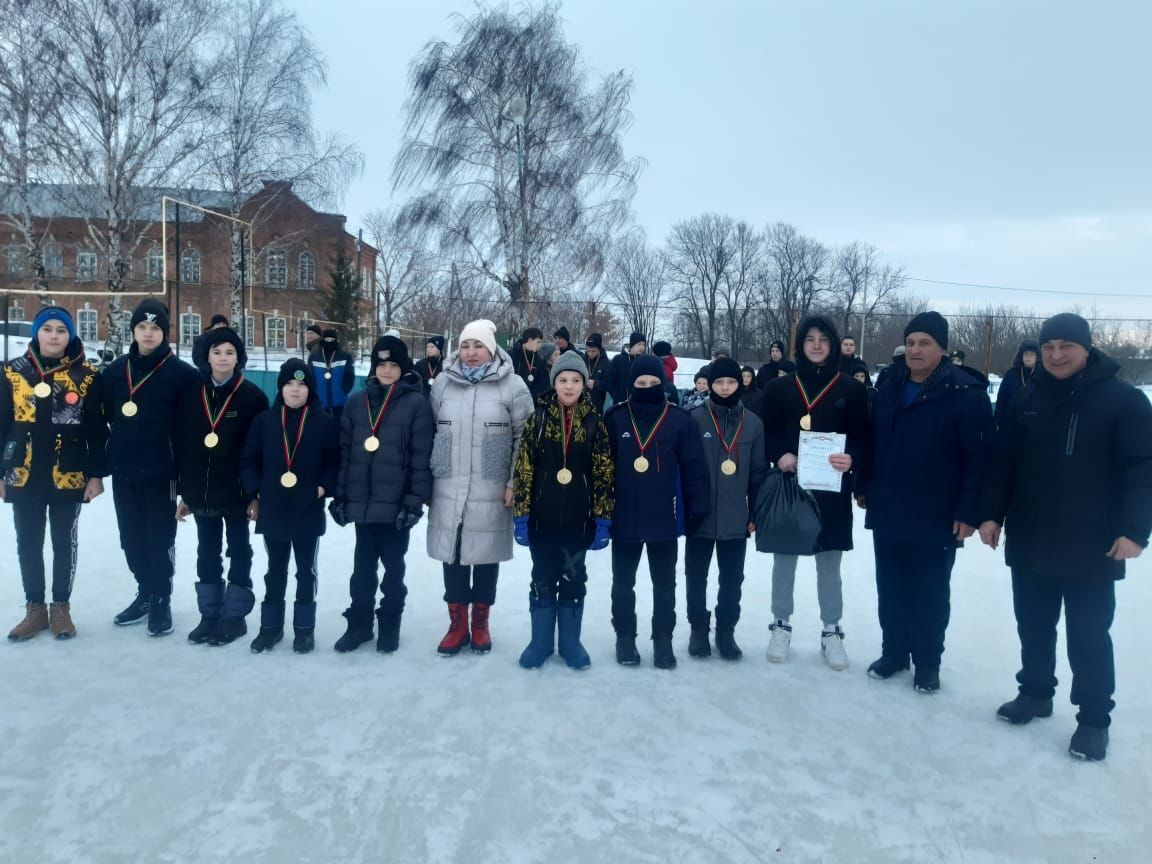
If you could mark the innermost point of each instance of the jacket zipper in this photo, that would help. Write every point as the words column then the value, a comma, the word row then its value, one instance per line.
column 1071, row 443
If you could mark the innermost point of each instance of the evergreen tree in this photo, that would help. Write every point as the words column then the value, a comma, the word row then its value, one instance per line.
column 342, row 299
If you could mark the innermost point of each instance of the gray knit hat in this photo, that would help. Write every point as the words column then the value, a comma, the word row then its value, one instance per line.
column 569, row 361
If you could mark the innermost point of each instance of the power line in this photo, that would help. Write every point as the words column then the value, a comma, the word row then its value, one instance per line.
column 1024, row 290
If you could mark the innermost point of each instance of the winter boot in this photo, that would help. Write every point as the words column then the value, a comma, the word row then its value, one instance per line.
column 35, row 620
column 1023, row 709
column 662, row 654
column 134, row 613
column 543, row 611
column 60, row 620
column 457, row 636
column 271, row 627
column 210, row 599
column 779, row 642
column 886, row 667
column 926, row 679
column 159, row 615
column 481, row 639
column 304, row 627
column 1089, row 743
column 626, row 651
column 569, row 617
column 356, row 635
column 726, row 644
column 832, row 647
column 238, row 602
column 698, row 643
column 388, row 626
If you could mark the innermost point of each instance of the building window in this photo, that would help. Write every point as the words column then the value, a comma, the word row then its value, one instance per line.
column 365, row 282
column 88, row 326
column 190, row 266
column 86, row 263
column 189, row 328
column 250, row 331
column 15, row 313
column 154, row 262
column 126, row 327
column 53, row 260
column 277, row 269
column 275, row 332
column 307, row 270
column 17, row 256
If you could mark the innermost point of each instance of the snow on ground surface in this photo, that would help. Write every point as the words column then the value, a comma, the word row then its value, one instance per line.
column 122, row 748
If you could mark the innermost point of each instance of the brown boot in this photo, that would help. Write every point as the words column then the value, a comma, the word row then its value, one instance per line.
column 34, row 621
column 60, row 620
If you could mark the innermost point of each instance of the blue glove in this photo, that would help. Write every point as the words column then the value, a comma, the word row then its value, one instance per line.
column 602, row 536
column 521, row 533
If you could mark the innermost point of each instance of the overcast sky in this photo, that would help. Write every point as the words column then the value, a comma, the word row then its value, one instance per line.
column 1000, row 142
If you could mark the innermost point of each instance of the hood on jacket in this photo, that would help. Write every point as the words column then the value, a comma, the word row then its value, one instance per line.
column 1025, row 346
column 803, row 365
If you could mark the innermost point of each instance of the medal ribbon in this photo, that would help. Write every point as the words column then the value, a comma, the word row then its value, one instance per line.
column 641, row 441
column 810, row 404
column 531, row 366
column 566, row 426
column 728, row 446
column 44, row 373
column 215, row 421
column 290, row 457
column 383, row 407
column 128, row 372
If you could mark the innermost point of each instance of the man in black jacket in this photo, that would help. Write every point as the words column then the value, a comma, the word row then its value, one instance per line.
column 618, row 381
column 1072, row 485
column 597, row 363
column 527, row 364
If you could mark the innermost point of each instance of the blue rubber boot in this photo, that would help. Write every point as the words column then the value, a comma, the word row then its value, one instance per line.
column 543, row 644
column 568, row 618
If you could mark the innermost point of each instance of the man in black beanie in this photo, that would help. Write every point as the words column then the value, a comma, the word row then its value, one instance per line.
column 1072, row 486
column 932, row 428
column 597, row 363
column 618, row 381
column 312, row 336
column 562, row 339
column 335, row 373
column 433, row 362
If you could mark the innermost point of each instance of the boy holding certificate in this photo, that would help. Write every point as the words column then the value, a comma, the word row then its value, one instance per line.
column 816, row 399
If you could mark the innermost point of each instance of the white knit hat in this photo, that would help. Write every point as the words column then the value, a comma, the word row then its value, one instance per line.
column 483, row 331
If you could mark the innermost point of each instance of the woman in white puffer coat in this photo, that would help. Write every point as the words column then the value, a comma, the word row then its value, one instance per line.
column 481, row 407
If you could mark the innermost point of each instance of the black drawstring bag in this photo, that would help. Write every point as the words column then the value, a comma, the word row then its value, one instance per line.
column 787, row 517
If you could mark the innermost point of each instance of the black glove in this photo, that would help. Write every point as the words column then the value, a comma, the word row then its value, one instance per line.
column 406, row 519
column 338, row 508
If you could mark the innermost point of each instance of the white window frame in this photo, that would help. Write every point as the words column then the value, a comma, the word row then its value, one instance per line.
column 306, row 270
column 190, row 271
column 250, row 326
column 87, row 263
column 276, row 268
column 126, row 326
column 52, row 256
column 154, row 264
column 189, row 328
column 17, row 260
column 16, row 313
column 88, row 325
column 276, row 332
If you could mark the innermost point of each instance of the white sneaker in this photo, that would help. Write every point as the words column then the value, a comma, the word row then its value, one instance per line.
column 832, row 647
column 778, row 644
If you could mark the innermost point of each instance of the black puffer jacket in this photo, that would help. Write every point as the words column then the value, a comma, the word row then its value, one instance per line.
column 598, row 375
column 141, row 446
column 376, row 484
column 298, row 511
column 1073, row 472
column 208, row 478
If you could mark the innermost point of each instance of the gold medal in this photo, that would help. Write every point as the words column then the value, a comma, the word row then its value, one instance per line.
column 563, row 476
column 371, row 443
column 806, row 422
column 42, row 390
column 728, row 466
column 328, row 376
column 641, row 464
column 211, row 440
column 287, row 479
column 129, row 409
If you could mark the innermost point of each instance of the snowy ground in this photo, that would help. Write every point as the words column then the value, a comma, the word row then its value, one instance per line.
column 121, row 748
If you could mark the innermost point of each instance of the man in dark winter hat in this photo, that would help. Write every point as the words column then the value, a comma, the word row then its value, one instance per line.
column 433, row 362
column 663, row 350
column 392, row 349
column 1016, row 378
column 958, row 357
column 562, row 339
column 1071, row 485
column 151, row 312
column 335, row 373
column 932, row 431
column 597, row 363
column 618, row 380
column 312, row 336
column 897, row 361
column 527, row 363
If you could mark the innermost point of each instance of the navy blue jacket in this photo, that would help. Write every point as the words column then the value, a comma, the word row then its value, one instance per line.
column 674, row 493
column 141, row 446
column 1014, row 380
column 928, row 457
column 299, row 511
column 1073, row 472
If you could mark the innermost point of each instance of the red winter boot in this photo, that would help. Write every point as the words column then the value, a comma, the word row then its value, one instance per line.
column 481, row 640
column 457, row 635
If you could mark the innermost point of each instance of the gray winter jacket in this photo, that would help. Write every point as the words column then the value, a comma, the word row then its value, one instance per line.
column 478, row 430
column 731, row 495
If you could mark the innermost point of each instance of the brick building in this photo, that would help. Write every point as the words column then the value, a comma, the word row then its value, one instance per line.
column 293, row 249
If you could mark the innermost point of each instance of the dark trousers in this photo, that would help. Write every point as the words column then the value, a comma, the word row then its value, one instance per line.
column 146, row 517
column 662, row 557
column 475, row 583
column 730, row 560
column 913, row 597
column 378, row 544
column 279, row 551
column 30, row 514
column 558, row 570
column 210, row 532
column 1089, row 605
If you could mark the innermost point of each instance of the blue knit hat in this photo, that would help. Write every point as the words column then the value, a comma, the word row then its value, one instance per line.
column 52, row 313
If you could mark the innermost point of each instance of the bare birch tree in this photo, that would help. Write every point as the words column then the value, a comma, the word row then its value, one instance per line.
column 403, row 268
column 636, row 279
column 794, row 280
